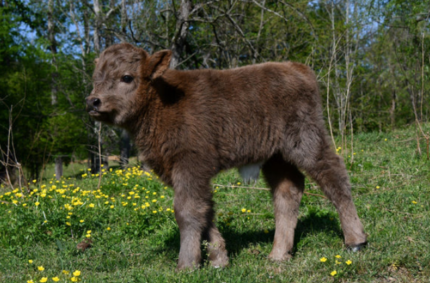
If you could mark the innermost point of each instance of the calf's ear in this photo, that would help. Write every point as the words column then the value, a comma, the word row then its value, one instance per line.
column 158, row 63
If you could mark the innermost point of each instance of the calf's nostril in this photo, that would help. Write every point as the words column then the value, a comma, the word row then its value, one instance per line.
column 96, row 102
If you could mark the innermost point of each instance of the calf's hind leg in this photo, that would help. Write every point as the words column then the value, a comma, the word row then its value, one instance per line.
column 322, row 164
column 287, row 184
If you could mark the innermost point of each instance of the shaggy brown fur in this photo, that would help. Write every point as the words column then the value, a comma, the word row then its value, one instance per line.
column 189, row 125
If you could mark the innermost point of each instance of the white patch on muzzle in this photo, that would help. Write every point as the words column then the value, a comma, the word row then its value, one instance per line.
column 250, row 172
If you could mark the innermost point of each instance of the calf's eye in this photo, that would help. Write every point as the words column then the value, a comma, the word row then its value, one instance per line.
column 127, row 79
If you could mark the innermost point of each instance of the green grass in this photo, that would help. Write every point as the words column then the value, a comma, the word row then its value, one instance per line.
column 390, row 187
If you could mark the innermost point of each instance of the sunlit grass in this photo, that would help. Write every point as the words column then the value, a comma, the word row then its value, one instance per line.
column 125, row 231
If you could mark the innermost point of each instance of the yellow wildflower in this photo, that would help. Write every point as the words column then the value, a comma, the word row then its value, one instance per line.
column 323, row 259
column 76, row 273
column 41, row 268
column 333, row 273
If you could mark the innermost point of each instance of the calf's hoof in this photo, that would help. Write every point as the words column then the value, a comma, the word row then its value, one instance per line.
column 182, row 266
column 219, row 263
column 357, row 248
column 275, row 256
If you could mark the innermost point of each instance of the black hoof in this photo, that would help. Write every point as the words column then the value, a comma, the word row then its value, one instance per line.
column 357, row 248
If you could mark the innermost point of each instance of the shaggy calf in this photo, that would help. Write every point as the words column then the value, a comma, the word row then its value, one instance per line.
column 189, row 125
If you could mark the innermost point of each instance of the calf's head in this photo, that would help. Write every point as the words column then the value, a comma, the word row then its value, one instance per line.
column 121, row 80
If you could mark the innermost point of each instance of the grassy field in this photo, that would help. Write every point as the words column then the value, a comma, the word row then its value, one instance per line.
column 69, row 231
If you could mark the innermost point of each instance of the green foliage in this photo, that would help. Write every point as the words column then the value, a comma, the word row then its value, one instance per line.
column 370, row 58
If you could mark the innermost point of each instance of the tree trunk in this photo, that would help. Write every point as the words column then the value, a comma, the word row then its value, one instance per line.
column 393, row 110
column 54, row 75
column 124, row 149
column 53, row 48
column 98, row 20
column 181, row 31
column 58, row 167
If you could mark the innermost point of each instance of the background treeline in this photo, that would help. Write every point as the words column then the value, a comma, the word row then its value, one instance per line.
column 371, row 58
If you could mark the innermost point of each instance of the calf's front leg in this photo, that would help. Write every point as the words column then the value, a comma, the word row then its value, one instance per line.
column 194, row 214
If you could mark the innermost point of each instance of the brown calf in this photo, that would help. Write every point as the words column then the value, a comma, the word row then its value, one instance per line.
column 189, row 125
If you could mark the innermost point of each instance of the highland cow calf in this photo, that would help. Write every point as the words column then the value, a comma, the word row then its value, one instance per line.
column 189, row 125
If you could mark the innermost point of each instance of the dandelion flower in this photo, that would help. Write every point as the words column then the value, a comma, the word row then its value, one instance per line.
column 108, row 228
column 65, row 272
column 30, row 261
column 323, row 259
column 82, row 221
column 414, row 202
column 243, row 209
column 36, row 203
column 55, row 279
column 333, row 273
column 76, row 273
column 41, row 268
column 348, row 262
column 74, row 279
column 68, row 224
column 337, row 256
column 377, row 187
column 30, row 281
column 44, row 279
column 91, row 205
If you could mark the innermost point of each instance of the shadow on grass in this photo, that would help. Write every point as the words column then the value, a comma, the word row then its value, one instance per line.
column 313, row 223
